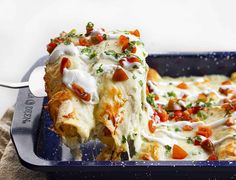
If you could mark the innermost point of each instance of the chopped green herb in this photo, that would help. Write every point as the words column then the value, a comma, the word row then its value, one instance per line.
column 139, row 43
column 114, row 54
column 168, row 148
column 124, row 140
column 93, row 55
column 99, row 70
column 72, row 33
column 104, row 36
column 88, row 51
column 134, row 77
column 198, row 138
column 189, row 140
column 67, row 41
column 171, row 94
column 205, row 104
column 144, row 54
column 177, row 129
column 170, row 113
column 150, row 99
column 234, row 136
column 140, row 83
column 202, row 115
column 189, row 105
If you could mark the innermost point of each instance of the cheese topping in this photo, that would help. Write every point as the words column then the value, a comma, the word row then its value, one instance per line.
column 146, row 118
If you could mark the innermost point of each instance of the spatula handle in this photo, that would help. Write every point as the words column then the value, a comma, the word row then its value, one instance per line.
column 14, row 85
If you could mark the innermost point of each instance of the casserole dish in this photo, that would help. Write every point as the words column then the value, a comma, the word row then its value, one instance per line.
column 41, row 149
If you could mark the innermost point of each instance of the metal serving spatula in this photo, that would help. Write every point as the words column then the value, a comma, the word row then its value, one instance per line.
column 35, row 83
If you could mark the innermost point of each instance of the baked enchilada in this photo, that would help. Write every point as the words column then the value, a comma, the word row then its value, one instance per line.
column 100, row 87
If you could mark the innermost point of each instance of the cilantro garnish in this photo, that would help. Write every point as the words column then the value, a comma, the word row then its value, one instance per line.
column 168, row 148
column 99, row 70
column 171, row 94
column 114, row 54
column 140, row 83
column 202, row 115
column 150, row 99
column 189, row 140
column 88, row 51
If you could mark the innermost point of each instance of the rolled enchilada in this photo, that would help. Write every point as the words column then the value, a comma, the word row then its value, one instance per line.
column 99, row 86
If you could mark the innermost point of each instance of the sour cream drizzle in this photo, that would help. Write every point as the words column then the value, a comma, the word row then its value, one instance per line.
column 83, row 79
column 165, row 140
column 63, row 49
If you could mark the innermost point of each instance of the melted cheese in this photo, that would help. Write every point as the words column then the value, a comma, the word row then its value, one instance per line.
column 119, row 113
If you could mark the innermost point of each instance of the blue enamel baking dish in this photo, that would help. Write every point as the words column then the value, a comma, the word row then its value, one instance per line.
column 40, row 149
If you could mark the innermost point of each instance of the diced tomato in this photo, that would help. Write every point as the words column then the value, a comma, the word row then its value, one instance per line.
column 208, row 146
column 178, row 152
column 229, row 106
column 135, row 33
column 186, row 115
column 51, row 46
column 184, row 96
column 212, row 157
column 195, row 109
column 65, row 63
column 197, row 142
column 151, row 127
column 223, row 91
column 119, row 75
column 156, row 97
column 121, row 62
column 132, row 59
column 123, row 40
column 84, row 42
column 187, row 128
column 96, row 38
column 81, row 92
column 133, row 50
column 204, row 131
column 178, row 114
column 58, row 40
column 229, row 122
column 163, row 115
column 227, row 82
column 124, row 47
column 182, row 85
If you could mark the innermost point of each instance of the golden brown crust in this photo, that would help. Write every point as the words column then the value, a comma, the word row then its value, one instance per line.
column 227, row 150
column 56, row 101
column 153, row 75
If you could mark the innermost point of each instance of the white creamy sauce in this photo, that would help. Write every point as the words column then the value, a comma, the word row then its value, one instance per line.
column 175, row 83
column 181, row 124
column 112, row 35
column 172, row 135
column 131, row 66
column 105, row 56
column 230, row 136
column 164, row 140
column 62, row 49
column 155, row 89
column 219, row 122
column 83, row 79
